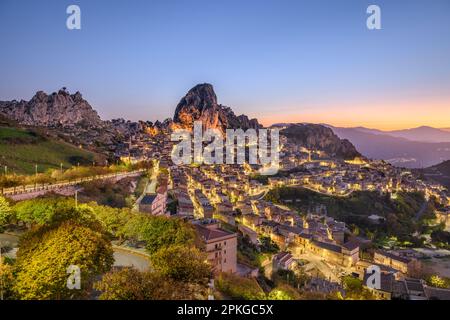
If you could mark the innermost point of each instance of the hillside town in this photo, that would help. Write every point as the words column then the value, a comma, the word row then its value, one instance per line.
column 225, row 204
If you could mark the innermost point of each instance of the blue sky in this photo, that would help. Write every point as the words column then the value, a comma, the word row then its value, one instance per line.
column 277, row 60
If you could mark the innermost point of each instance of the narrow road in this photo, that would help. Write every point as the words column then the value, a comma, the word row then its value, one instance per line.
column 29, row 192
column 149, row 188
column 422, row 210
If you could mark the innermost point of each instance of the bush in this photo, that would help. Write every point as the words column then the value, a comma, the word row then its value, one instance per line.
column 237, row 287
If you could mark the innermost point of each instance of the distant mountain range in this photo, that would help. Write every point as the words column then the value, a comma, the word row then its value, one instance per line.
column 420, row 134
column 412, row 148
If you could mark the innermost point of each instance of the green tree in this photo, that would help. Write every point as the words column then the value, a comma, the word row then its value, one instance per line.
column 5, row 211
column 46, row 253
column 54, row 211
column 113, row 220
column 159, row 232
column 284, row 292
column 6, row 279
column 354, row 289
column 182, row 263
column 237, row 287
column 131, row 284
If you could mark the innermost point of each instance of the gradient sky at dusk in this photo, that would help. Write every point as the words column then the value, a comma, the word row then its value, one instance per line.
column 277, row 60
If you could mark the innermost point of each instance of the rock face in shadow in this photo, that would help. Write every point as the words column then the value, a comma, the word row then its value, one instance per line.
column 200, row 104
column 57, row 109
column 318, row 137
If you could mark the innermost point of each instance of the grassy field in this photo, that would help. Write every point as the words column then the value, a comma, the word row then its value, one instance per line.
column 20, row 150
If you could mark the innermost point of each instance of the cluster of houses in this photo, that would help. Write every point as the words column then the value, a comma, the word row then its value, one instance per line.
column 210, row 195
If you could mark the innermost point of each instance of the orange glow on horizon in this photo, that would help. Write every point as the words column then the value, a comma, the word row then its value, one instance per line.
column 386, row 117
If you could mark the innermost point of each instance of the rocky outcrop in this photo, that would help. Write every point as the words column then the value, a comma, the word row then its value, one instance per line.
column 318, row 137
column 200, row 104
column 57, row 109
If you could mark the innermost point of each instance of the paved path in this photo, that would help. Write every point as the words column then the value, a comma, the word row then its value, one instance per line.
column 149, row 188
column 124, row 257
column 63, row 188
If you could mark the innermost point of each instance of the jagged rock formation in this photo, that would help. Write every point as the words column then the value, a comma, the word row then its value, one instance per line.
column 200, row 104
column 57, row 109
column 318, row 137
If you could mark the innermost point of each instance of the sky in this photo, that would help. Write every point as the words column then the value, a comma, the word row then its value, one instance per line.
column 276, row 60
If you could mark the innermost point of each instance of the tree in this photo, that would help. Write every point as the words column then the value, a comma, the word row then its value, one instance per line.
column 5, row 211
column 354, row 289
column 159, row 232
column 438, row 282
column 6, row 279
column 182, row 263
column 267, row 245
column 238, row 287
column 131, row 284
column 54, row 211
column 46, row 253
column 284, row 292
column 113, row 220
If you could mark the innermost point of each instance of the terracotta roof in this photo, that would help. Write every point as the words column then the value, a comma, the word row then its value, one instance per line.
column 212, row 234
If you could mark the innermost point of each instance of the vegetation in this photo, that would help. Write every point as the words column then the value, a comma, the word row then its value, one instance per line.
column 441, row 238
column 5, row 211
column 237, row 287
column 182, row 263
column 159, row 232
column 108, row 193
column 438, row 282
column 250, row 254
column 399, row 212
column 62, row 234
column 46, row 253
column 131, row 284
column 354, row 289
column 141, row 184
column 6, row 279
column 284, row 292
column 74, row 173
column 22, row 149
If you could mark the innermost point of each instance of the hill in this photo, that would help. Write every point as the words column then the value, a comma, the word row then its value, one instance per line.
column 200, row 104
column 399, row 214
column 396, row 150
column 318, row 137
column 439, row 173
column 22, row 149
column 58, row 108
